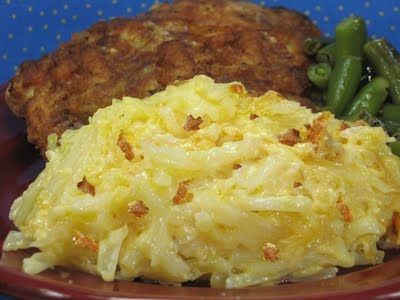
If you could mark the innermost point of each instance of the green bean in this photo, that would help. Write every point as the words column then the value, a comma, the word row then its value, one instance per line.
column 351, row 35
column 319, row 74
column 392, row 127
column 395, row 147
column 343, row 83
column 386, row 62
column 368, row 100
column 326, row 55
column 391, row 112
column 311, row 45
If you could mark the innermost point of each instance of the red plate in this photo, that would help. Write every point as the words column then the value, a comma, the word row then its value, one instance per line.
column 20, row 163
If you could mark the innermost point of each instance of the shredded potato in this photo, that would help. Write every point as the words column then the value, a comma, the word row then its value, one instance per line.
column 203, row 179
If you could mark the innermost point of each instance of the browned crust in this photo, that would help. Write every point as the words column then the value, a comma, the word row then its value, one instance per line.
column 225, row 39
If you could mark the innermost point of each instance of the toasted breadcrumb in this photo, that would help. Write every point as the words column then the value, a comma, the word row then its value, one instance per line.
column 192, row 123
column 237, row 166
column 253, row 116
column 86, row 242
column 318, row 129
column 297, row 184
column 86, row 187
column 344, row 209
column 125, row 147
column 138, row 209
column 291, row 137
column 182, row 194
column 270, row 252
column 237, row 88
column 344, row 126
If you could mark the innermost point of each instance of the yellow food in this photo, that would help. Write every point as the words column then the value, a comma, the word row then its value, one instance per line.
column 203, row 179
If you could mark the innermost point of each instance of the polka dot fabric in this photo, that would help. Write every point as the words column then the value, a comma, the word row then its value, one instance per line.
column 29, row 29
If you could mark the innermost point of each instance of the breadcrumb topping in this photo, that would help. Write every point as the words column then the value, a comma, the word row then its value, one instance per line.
column 253, row 116
column 86, row 187
column 270, row 252
column 182, row 194
column 86, row 242
column 137, row 208
column 291, row 137
column 125, row 147
column 192, row 123
column 344, row 209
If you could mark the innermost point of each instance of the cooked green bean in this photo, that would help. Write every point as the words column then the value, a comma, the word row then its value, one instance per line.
column 351, row 35
column 326, row 55
column 319, row 74
column 395, row 147
column 391, row 112
column 343, row 83
column 386, row 62
column 368, row 100
column 392, row 127
column 311, row 45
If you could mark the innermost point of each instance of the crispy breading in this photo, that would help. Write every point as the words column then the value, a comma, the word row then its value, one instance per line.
column 192, row 123
column 270, row 252
column 86, row 242
column 125, row 147
column 227, row 40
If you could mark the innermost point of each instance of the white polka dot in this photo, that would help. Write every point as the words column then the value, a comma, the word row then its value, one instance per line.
column 24, row 49
column 307, row 12
column 63, row 21
column 99, row 12
column 30, row 28
column 392, row 28
column 45, row 26
column 373, row 36
column 8, row 1
column 315, row 22
column 13, row 16
column 340, row 7
column 4, row 57
column 351, row 15
column 129, row 10
column 15, row 68
column 381, row 13
column 368, row 21
column 74, row 17
column 41, row 13
column 88, row 5
column 143, row 5
column 396, row 9
column 55, row 12
column 42, row 49
column 10, row 36
column 262, row 3
column 367, row 4
column 66, row 7
column 326, row 19
column 318, row 8
column 30, row 8
column 328, row 34
column 114, row 1
column 58, row 37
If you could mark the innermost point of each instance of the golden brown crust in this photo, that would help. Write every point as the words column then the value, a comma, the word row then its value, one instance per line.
column 182, row 194
column 225, row 39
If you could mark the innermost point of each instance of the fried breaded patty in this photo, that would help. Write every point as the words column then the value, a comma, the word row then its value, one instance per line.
column 227, row 40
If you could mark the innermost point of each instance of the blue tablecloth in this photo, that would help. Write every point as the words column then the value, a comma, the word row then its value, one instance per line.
column 29, row 29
